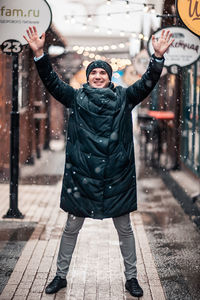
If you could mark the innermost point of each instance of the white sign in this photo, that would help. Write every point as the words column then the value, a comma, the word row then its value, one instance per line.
column 184, row 51
column 17, row 15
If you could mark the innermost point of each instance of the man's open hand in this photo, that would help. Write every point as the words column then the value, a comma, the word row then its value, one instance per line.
column 35, row 42
column 162, row 44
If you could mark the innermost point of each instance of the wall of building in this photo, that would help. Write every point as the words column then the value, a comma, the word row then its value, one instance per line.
column 5, row 108
column 41, row 116
column 30, row 93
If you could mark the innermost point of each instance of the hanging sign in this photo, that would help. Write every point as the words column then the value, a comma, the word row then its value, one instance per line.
column 16, row 16
column 189, row 13
column 184, row 51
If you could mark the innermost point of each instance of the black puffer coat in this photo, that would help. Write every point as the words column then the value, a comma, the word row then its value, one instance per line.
column 99, row 178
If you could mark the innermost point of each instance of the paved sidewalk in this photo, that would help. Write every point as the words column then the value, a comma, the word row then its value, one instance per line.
column 96, row 270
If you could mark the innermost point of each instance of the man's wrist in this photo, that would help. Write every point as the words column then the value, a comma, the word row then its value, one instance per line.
column 158, row 56
column 39, row 53
column 38, row 58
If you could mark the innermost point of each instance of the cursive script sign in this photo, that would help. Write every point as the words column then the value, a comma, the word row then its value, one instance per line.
column 185, row 49
column 189, row 12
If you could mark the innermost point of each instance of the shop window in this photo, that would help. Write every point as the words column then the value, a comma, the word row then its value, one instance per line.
column 191, row 121
column 23, row 83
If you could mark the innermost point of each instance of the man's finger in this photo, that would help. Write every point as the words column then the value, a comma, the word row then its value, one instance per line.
column 28, row 34
column 43, row 36
column 169, row 44
column 167, row 34
column 162, row 33
column 25, row 38
column 35, row 29
column 171, row 41
column 31, row 30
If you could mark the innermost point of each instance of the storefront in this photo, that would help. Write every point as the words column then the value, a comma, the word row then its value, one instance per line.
column 190, row 139
column 34, row 107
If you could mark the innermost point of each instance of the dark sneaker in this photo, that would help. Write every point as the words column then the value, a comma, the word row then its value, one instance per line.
column 134, row 288
column 55, row 285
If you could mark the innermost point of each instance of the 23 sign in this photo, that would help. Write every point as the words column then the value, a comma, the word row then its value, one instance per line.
column 11, row 47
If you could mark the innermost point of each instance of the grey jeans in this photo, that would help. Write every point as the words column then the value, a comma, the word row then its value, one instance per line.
column 126, row 241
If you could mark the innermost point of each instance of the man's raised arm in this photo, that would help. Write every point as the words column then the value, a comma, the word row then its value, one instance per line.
column 56, row 87
column 141, row 89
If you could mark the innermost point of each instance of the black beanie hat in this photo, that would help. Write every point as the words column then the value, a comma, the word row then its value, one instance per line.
column 99, row 64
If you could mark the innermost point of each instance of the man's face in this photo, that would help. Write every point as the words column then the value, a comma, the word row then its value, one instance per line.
column 98, row 78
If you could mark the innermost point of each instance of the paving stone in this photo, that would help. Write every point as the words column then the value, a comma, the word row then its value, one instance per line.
column 51, row 297
column 25, row 285
column 90, row 288
column 28, row 277
column 41, row 275
column 88, row 296
column 8, row 291
column 157, row 293
column 21, row 297
column 37, row 288
column 34, row 296
column 22, row 292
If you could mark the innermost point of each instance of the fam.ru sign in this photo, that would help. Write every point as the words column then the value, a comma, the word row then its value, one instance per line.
column 189, row 13
column 16, row 16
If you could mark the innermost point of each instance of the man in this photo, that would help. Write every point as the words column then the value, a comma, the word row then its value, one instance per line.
column 99, row 178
